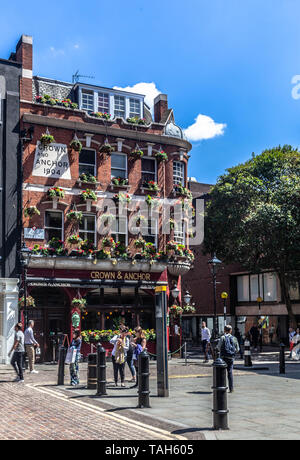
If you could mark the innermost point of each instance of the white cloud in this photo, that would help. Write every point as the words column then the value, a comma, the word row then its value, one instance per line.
column 204, row 128
column 56, row 52
column 148, row 89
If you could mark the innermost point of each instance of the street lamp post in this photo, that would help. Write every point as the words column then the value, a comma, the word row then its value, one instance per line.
column 187, row 298
column 25, row 255
column 259, row 300
column 224, row 296
column 214, row 264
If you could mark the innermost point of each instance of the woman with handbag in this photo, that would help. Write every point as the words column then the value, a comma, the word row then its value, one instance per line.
column 119, row 354
column 139, row 344
column 74, row 366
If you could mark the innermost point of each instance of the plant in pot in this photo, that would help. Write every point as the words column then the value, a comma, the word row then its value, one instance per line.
column 74, row 239
column 137, row 153
column 139, row 244
column 106, row 148
column 87, row 178
column 103, row 115
column 30, row 302
column 136, row 120
column 122, row 198
column 56, row 192
column 151, row 185
column 119, row 181
column 171, row 248
column 152, row 202
column 189, row 309
column 46, row 139
column 176, row 310
column 108, row 243
column 75, row 216
column 88, row 195
column 79, row 303
column 87, row 246
column 31, row 211
column 76, row 145
column 161, row 156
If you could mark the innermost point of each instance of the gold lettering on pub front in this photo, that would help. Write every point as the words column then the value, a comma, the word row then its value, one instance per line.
column 132, row 276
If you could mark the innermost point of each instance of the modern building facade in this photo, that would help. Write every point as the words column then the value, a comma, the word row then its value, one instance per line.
column 93, row 204
column 10, row 187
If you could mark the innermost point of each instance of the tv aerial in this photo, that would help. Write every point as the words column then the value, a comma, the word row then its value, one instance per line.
column 76, row 77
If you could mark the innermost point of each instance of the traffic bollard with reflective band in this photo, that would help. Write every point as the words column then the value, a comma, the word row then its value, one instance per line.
column 62, row 352
column 101, row 371
column 220, row 411
column 282, row 359
column 247, row 354
column 92, row 371
column 143, row 380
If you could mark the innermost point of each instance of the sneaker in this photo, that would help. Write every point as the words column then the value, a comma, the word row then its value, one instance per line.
column 17, row 379
column 34, row 372
column 21, row 381
column 123, row 385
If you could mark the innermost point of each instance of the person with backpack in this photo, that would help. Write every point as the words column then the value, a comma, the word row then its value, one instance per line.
column 228, row 346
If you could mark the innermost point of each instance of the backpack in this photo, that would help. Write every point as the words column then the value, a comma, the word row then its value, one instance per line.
column 228, row 347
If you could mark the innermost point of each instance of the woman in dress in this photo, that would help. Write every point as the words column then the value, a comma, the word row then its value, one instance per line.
column 74, row 367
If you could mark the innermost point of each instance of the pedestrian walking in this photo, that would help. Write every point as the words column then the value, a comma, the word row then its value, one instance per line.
column 119, row 354
column 292, row 332
column 74, row 367
column 228, row 346
column 18, row 350
column 205, row 340
column 30, row 344
column 139, row 343
column 129, row 358
column 271, row 333
column 239, row 338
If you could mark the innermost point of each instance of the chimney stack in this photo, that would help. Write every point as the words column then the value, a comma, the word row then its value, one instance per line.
column 24, row 56
column 160, row 107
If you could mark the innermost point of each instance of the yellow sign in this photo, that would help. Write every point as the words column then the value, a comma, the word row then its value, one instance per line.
column 160, row 288
column 133, row 276
column 224, row 295
column 259, row 299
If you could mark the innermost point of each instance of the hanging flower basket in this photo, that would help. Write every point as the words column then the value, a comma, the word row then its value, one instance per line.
column 171, row 247
column 88, row 195
column 88, row 178
column 137, row 153
column 56, row 192
column 140, row 244
column 46, row 139
column 106, row 148
column 176, row 310
column 161, row 156
column 189, row 309
column 31, row 211
column 76, row 145
column 74, row 239
column 74, row 216
column 79, row 303
column 30, row 302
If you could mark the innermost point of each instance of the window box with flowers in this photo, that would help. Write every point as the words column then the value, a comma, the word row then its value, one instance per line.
column 171, row 248
column 31, row 211
column 88, row 247
column 56, row 247
column 77, row 253
column 121, row 251
column 56, row 192
column 47, row 99
column 103, row 115
column 119, row 182
column 30, row 302
column 102, row 255
column 139, row 245
column 79, row 303
column 161, row 156
column 181, row 191
column 88, row 196
column 136, row 121
column 151, row 186
column 87, row 178
column 108, row 243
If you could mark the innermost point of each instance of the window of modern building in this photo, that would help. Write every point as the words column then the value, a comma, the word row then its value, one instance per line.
column 87, row 162
column 103, row 102
column 178, row 172
column 87, row 228
column 87, row 100
column 134, row 108
column 119, row 108
column 248, row 289
column 53, row 225
column 119, row 165
column 148, row 170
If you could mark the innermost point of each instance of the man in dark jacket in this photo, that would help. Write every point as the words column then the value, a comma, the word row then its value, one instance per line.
column 228, row 346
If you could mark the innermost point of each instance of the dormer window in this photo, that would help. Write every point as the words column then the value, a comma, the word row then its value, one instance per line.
column 87, row 101
column 119, row 109
column 103, row 102
column 134, row 108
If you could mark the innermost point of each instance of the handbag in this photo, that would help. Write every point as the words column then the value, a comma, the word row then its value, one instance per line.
column 71, row 356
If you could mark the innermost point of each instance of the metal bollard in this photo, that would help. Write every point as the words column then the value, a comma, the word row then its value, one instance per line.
column 92, row 371
column 101, row 371
column 282, row 359
column 61, row 365
column 185, row 355
column 143, row 380
column 220, row 411
column 247, row 354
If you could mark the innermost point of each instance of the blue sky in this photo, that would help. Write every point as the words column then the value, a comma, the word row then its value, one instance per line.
column 227, row 63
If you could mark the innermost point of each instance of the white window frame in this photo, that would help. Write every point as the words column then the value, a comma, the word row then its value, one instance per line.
column 87, row 164
column 103, row 93
column 151, row 220
column 177, row 177
column 92, row 94
column 89, row 231
column 147, row 172
column 115, row 234
column 56, row 211
column 180, row 236
column 134, row 113
column 126, row 164
column 124, row 99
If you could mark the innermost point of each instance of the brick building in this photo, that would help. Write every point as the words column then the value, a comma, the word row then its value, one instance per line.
column 83, row 161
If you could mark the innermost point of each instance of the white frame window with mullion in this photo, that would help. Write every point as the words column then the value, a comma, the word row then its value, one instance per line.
column 89, row 165
column 84, row 230
column 149, row 175
column 121, row 169
column 179, row 173
column 53, row 228
column 103, row 104
column 134, row 107
column 119, row 106
column 120, row 228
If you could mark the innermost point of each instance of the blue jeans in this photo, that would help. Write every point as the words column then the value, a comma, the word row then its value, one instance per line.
column 129, row 361
column 74, row 371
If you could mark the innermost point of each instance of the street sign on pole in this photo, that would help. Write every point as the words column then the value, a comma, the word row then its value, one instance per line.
column 161, row 341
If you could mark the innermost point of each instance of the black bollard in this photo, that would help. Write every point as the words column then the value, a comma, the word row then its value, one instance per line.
column 282, row 359
column 61, row 365
column 220, row 411
column 92, row 371
column 143, row 380
column 101, row 371
column 247, row 354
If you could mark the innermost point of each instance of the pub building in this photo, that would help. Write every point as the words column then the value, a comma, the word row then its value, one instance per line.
column 84, row 157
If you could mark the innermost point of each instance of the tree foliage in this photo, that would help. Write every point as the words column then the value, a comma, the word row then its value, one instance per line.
column 253, row 215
